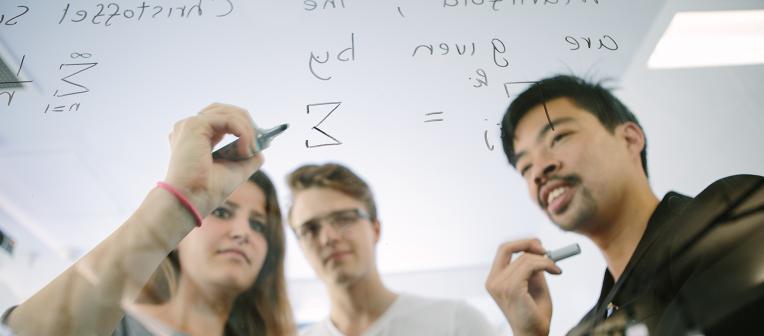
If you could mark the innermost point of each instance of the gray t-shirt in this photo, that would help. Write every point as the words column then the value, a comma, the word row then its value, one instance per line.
column 128, row 326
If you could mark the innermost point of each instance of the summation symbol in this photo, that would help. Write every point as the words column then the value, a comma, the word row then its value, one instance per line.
column 74, row 87
column 433, row 117
column 333, row 106
column 84, row 67
column 541, row 95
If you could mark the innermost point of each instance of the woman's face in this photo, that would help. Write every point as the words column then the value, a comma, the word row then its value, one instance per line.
column 228, row 250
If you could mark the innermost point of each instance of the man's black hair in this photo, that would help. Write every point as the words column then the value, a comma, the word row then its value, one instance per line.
column 592, row 97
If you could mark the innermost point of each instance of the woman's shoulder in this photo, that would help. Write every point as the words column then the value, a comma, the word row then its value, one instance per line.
column 142, row 320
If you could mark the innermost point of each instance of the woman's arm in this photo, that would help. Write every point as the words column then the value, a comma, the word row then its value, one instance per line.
column 86, row 298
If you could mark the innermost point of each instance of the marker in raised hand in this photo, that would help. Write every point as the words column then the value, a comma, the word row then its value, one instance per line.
column 264, row 137
column 562, row 253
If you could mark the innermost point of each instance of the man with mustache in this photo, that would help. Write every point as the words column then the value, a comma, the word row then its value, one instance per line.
column 334, row 217
column 674, row 264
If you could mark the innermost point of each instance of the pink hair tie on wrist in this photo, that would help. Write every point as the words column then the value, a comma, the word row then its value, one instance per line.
column 183, row 200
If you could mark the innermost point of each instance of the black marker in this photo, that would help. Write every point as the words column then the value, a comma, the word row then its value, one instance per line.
column 264, row 137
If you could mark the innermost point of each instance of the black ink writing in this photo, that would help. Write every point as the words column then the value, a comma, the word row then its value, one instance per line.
column 73, row 84
column 83, row 67
column 76, row 55
column 455, row 3
column 606, row 42
column 498, row 50
column 481, row 80
column 105, row 13
column 346, row 55
column 507, row 85
column 333, row 106
column 541, row 95
column 314, row 58
column 13, row 20
column 62, row 108
column 488, row 144
column 311, row 5
column 10, row 95
column 433, row 117
column 15, row 83
column 229, row 11
column 485, row 136
column 495, row 5
column 550, row 2
column 445, row 49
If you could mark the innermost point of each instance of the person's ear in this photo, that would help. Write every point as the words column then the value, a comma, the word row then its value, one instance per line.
column 634, row 138
column 376, row 226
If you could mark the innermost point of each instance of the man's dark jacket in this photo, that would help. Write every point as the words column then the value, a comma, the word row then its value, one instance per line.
column 699, row 267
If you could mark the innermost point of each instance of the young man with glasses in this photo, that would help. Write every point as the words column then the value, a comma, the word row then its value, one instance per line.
column 334, row 216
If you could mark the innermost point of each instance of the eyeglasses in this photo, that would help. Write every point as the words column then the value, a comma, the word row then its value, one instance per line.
column 339, row 220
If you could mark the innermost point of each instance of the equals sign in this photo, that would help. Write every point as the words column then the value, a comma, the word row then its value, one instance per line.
column 433, row 117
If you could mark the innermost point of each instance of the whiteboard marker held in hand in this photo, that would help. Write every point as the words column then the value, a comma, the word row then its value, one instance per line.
column 264, row 137
column 563, row 253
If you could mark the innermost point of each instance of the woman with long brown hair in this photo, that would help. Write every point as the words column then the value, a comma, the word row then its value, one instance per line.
column 228, row 277
column 243, row 238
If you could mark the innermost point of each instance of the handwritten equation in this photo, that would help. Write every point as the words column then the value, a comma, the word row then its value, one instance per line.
column 491, row 54
column 325, row 110
column 69, row 88
column 495, row 49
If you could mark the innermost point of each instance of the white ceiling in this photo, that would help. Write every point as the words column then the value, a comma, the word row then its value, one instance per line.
column 68, row 179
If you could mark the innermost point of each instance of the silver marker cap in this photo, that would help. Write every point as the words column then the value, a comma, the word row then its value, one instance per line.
column 565, row 252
